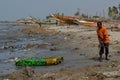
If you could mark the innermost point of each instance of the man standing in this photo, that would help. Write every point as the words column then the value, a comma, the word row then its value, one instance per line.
column 104, row 40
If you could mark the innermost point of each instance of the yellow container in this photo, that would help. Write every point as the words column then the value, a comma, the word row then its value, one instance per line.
column 54, row 60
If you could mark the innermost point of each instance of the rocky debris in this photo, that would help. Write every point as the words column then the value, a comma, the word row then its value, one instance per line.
column 28, row 71
column 48, row 76
column 29, row 46
column 12, row 48
column 115, row 29
column 34, row 30
column 110, row 74
column 31, row 50
column 118, row 52
column 75, row 48
column 54, row 49
column 8, row 47
column 23, row 46
column 43, row 45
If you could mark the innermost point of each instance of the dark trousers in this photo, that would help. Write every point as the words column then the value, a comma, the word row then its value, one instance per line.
column 104, row 48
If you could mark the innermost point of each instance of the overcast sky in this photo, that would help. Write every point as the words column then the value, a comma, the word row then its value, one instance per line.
column 16, row 9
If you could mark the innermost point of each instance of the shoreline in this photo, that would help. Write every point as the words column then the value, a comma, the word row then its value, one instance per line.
column 82, row 41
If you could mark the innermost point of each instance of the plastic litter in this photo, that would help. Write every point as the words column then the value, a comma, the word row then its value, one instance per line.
column 35, row 61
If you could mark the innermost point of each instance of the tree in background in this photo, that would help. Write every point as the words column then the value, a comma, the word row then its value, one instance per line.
column 119, row 9
column 110, row 12
column 77, row 13
column 114, row 12
column 84, row 15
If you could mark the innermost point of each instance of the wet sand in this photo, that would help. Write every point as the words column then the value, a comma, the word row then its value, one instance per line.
column 77, row 44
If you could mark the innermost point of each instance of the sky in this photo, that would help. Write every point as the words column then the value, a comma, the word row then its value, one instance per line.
column 16, row 9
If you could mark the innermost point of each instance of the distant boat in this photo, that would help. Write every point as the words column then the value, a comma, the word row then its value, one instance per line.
column 29, row 20
column 72, row 20
column 65, row 19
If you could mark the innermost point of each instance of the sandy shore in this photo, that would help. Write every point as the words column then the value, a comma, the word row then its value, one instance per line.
column 82, row 41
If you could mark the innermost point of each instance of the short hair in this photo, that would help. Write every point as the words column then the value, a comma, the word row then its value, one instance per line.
column 99, row 24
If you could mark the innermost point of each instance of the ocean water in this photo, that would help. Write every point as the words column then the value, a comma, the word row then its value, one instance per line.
column 12, row 45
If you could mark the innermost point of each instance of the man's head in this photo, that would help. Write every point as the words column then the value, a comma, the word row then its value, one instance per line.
column 99, row 25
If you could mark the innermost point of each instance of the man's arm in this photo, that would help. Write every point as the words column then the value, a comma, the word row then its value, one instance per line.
column 100, row 42
column 104, row 38
column 105, row 33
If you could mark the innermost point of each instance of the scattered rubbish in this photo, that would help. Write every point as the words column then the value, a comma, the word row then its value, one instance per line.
column 35, row 61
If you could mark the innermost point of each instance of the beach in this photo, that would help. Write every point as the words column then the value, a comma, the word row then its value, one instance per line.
column 78, row 45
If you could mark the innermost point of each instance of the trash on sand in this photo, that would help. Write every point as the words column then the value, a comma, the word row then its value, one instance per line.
column 35, row 61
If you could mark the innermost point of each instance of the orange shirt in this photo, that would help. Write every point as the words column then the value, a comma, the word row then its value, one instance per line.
column 103, row 35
